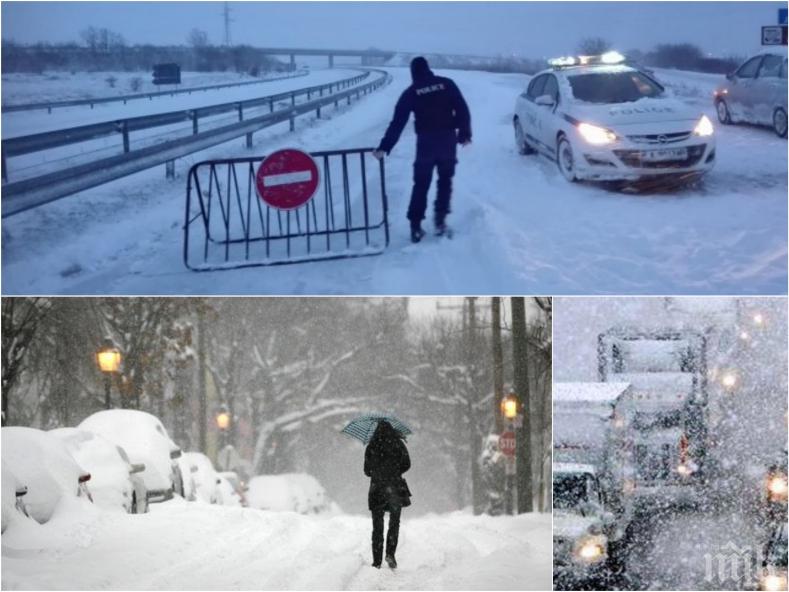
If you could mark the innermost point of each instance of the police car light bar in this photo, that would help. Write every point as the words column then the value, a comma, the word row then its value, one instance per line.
column 609, row 58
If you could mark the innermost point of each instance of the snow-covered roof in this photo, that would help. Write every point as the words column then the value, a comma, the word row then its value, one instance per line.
column 561, row 467
column 598, row 392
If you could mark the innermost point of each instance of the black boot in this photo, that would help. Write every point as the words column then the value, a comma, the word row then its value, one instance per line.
column 391, row 562
column 416, row 232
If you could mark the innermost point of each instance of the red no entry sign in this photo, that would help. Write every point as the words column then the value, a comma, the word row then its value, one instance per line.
column 507, row 443
column 287, row 179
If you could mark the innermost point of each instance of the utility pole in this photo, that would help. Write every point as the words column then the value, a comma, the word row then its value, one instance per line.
column 474, row 440
column 202, row 416
column 228, row 20
column 520, row 360
column 498, row 362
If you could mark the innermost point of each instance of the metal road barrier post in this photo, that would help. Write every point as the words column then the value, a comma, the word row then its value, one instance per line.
column 228, row 226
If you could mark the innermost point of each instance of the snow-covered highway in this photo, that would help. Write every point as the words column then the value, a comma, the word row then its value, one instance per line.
column 194, row 546
column 520, row 227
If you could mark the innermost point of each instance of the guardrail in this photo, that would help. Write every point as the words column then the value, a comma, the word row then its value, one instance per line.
column 23, row 195
column 49, row 105
column 22, row 145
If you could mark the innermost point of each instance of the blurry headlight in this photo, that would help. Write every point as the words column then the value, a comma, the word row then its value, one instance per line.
column 777, row 486
column 772, row 582
column 591, row 549
column 704, row 127
column 684, row 470
column 596, row 135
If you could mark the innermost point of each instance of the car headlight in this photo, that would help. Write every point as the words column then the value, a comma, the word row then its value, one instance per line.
column 684, row 469
column 591, row 549
column 596, row 135
column 777, row 486
column 704, row 127
column 772, row 582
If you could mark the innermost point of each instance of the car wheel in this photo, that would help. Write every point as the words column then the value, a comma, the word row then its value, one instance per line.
column 565, row 159
column 722, row 110
column 779, row 122
column 520, row 139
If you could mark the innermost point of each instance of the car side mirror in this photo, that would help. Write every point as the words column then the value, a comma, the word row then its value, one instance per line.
column 545, row 101
column 730, row 76
column 175, row 453
column 136, row 468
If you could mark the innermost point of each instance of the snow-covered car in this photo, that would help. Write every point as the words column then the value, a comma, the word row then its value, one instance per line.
column 290, row 492
column 186, row 469
column 239, row 487
column 226, row 494
column 580, row 523
column 42, row 462
column 600, row 119
column 146, row 442
column 773, row 574
column 755, row 93
column 115, row 482
column 204, row 476
column 13, row 492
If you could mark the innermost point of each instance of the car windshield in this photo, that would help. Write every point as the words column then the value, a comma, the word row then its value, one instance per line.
column 613, row 87
column 569, row 491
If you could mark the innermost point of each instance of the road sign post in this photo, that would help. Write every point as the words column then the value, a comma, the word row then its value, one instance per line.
column 507, row 447
column 774, row 35
column 287, row 179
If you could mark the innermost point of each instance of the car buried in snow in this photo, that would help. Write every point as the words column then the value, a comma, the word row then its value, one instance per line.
column 600, row 119
column 755, row 93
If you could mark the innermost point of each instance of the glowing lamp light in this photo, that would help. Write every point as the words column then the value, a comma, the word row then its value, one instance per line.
column 758, row 319
column 509, row 406
column 108, row 357
column 773, row 582
column 777, row 485
column 223, row 420
column 729, row 380
column 612, row 57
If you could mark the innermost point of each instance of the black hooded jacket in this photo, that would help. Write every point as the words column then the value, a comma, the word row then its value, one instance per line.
column 385, row 460
column 436, row 102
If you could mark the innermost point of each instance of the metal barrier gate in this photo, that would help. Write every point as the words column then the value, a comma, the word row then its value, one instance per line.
column 228, row 226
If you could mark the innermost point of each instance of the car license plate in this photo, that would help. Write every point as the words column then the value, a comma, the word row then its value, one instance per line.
column 665, row 154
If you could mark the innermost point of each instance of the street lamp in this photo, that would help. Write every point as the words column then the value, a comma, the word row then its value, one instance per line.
column 509, row 406
column 108, row 359
column 223, row 421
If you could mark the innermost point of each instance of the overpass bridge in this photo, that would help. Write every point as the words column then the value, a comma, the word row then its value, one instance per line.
column 369, row 57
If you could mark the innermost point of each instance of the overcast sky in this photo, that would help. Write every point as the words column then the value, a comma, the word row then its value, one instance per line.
column 533, row 29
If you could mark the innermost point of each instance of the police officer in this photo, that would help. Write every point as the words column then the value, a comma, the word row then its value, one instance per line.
column 441, row 120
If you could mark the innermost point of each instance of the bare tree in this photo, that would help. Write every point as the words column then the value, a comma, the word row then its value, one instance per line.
column 593, row 46
column 197, row 38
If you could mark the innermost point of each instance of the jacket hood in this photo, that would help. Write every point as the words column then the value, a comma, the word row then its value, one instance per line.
column 420, row 69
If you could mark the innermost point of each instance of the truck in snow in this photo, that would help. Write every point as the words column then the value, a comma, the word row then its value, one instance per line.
column 665, row 409
column 591, row 470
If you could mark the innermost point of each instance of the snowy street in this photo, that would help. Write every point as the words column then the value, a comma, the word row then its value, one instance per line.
column 195, row 546
column 520, row 227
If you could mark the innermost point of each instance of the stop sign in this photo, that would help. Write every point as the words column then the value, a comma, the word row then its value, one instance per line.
column 507, row 443
column 287, row 179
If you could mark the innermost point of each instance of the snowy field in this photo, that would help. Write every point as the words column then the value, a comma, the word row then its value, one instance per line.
column 21, row 88
column 519, row 227
column 194, row 546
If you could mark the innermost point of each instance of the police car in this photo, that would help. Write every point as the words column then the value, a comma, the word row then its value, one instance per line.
column 601, row 119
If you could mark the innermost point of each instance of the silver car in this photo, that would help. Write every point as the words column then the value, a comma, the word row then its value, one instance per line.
column 755, row 93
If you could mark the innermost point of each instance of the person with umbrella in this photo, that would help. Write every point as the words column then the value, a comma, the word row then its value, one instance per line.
column 385, row 460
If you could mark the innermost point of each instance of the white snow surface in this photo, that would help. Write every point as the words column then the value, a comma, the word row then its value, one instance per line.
column 186, row 546
column 520, row 228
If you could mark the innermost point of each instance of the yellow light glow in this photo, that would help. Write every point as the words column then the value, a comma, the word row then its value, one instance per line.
column 592, row 549
column 758, row 319
column 223, row 420
column 684, row 470
column 773, row 582
column 109, row 359
column 729, row 380
column 509, row 407
column 777, row 485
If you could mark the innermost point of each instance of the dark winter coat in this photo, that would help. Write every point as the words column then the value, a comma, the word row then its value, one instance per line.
column 437, row 104
column 385, row 461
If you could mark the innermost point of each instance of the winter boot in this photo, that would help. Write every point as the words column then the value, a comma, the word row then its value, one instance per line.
column 377, row 565
column 443, row 230
column 390, row 560
column 416, row 232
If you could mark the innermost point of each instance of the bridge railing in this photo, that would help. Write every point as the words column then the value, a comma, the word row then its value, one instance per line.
column 29, row 193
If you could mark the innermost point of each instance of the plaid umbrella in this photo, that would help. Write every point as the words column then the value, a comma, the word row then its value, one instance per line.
column 362, row 428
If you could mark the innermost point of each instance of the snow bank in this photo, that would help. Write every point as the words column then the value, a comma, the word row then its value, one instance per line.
column 182, row 546
column 290, row 492
column 204, row 476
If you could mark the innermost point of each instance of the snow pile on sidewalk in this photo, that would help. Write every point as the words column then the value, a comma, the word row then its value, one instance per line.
column 182, row 546
column 291, row 492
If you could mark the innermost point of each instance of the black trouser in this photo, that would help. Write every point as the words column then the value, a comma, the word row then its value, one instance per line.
column 433, row 150
column 391, row 534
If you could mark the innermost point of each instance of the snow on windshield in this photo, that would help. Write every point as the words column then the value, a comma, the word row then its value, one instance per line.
column 613, row 87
